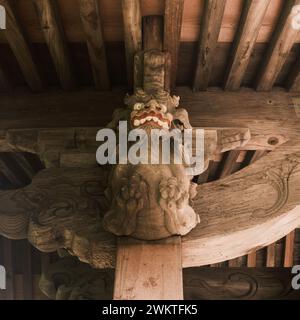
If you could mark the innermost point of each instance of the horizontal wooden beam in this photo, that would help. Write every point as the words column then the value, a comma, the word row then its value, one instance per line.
column 239, row 284
column 271, row 117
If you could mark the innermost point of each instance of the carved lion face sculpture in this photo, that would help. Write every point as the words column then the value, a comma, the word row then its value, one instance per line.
column 151, row 111
column 151, row 202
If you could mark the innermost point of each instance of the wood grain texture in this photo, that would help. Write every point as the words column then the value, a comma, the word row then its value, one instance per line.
column 172, row 31
column 239, row 284
column 251, row 20
column 271, row 252
column 270, row 215
column 90, row 18
column 269, row 116
column 252, row 256
column 132, row 20
column 148, row 271
column 279, row 47
column 50, row 21
column 236, row 216
column 19, row 45
column 289, row 250
column 209, row 33
column 153, row 30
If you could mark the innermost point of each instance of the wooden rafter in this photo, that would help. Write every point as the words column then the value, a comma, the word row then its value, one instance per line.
column 132, row 20
column 278, row 49
column 209, row 33
column 248, row 29
column 172, row 31
column 48, row 14
column 90, row 17
column 153, row 30
column 289, row 250
column 17, row 40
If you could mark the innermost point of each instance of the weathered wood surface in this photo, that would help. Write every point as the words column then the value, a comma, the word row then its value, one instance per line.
column 61, row 210
column 281, row 43
column 245, row 211
column 271, row 117
column 148, row 270
column 69, row 279
column 55, row 38
column 172, row 31
column 132, row 20
column 76, row 147
column 153, row 31
column 250, row 24
column 239, row 284
column 90, row 17
column 209, row 34
column 265, row 196
column 19, row 45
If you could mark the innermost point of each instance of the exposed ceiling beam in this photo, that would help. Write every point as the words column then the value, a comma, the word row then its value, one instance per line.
column 269, row 116
column 209, row 33
column 19, row 45
column 172, row 32
column 251, row 20
column 278, row 49
column 132, row 20
column 90, row 17
column 51, row 24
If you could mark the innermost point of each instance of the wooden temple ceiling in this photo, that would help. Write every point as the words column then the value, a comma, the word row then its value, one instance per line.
column 46, row 44
column 54, row 54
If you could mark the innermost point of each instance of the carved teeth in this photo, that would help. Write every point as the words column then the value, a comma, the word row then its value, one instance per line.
column 136, row 123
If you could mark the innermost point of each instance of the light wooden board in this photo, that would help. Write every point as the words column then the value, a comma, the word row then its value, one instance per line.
column 148, row 270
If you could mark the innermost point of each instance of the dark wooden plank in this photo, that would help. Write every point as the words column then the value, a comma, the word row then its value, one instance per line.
column 27, row 272
column 90, row 18
column 248, row 29
column 172, row 31
column 132, row 20
column 5, row 82
column 51, row 24
column 209, row 33
column 229, row 163
column 279, row 47
column 153, row 30
column 19, row 45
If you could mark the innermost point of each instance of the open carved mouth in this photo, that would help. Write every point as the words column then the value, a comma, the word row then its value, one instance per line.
column 151, row 118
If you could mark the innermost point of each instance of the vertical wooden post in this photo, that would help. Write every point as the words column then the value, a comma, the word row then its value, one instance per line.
column 148, row 270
